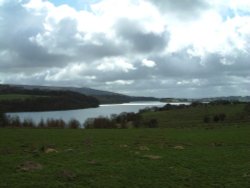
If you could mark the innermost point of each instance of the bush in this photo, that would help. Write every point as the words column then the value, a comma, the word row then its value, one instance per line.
column 222, row 116
column 196, row 103
column 216, row 118
column 88, row 124
column 74, row 124
column 152, row 123
column 206, row 119
column 28, row 123
column 14, row 122
column 100, row 123
column 51, row 123
column 41, row 124
column 247, row 108
column 219, row 117
column 3, row 120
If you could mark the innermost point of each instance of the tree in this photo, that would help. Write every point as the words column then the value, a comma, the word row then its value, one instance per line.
column 247, row 108
column 206, row 119
column 14, row 121
column 3, row 120
column 74, row 124
column 152, row 123
column 222, row 116
column 41, row 124
column 216, row 118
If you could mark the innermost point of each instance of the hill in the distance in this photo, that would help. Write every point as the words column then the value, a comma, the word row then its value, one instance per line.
column 18, row 99
column 105, row 97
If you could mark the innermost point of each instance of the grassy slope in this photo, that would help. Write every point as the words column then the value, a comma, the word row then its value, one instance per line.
column 194, row 116
column 15, row 96
column 116, row 158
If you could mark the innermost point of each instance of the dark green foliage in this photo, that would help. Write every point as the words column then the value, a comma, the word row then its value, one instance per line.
column 123, row 121
column 173, row 107
column 74, row 124
column 15, row 122
column 207, row 119
column 216, row 118
column 52, row 123
column 152, row 123
column 28, row 123
column 247, row 108
column 41, row 124
column 195, row 104
column 219, row 117
column 100, row 123
column 224, row 102
column 45, row 100
column 222, row 117
column 49, row 123
column 3, row 119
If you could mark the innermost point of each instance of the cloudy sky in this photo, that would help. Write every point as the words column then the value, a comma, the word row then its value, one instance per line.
column 162, row 48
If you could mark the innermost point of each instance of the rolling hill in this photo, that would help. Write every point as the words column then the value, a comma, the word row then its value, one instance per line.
column 105, row 97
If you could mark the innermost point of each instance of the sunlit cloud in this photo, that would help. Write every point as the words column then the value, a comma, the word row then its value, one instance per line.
column 163, row 48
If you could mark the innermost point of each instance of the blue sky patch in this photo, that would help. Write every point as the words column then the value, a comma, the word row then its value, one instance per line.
column 77, row 4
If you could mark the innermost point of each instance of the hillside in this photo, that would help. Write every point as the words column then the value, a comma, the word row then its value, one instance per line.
column 208, row 99
column 211, row 114
column 104, row 97
column 14, row 99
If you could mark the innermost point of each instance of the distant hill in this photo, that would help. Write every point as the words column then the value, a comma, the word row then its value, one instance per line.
column 18, row 99
column 82, row 90
column 105, row 97
column 230, row 98
column 209, row 99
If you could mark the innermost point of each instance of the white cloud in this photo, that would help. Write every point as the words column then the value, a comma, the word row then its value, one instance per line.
column 192, row 82
column 120, row 82
column 115, row 64
column 71, row 72
column 148, row 63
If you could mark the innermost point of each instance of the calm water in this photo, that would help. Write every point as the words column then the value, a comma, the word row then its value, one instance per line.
column 83, row 114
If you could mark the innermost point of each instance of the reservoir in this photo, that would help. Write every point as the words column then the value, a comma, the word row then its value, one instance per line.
column 83, row 114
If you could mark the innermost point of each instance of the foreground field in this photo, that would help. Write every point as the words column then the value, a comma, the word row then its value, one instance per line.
column 194, row 157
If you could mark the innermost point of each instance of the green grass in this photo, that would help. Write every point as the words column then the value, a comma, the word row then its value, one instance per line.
column 15, row 96
column 122, row 158
column 194, row 116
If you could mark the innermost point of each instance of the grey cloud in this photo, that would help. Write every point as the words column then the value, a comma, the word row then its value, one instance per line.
column 105, row 48
column 142, row 42
column 21, row 54
column 64, row 41
column 179, row 74
column 184, row 9
column 201, row 77
column 18, row 26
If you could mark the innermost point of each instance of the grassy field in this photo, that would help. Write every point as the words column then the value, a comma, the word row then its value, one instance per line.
column 15, row 96
column 189, row 117
column 196, row 157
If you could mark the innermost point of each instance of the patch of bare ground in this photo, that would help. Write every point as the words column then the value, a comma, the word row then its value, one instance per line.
column 152, row 157
column 29, row 166
column 66, row 175
column 179, row 147
column 144, row 148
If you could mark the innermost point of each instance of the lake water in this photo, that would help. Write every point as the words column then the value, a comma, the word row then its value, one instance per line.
column 83, row 114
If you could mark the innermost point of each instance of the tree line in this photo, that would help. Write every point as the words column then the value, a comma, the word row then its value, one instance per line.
column 15, row 122
column 121, row 121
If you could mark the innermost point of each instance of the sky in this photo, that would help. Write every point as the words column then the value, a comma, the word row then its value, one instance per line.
column 161, row 48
